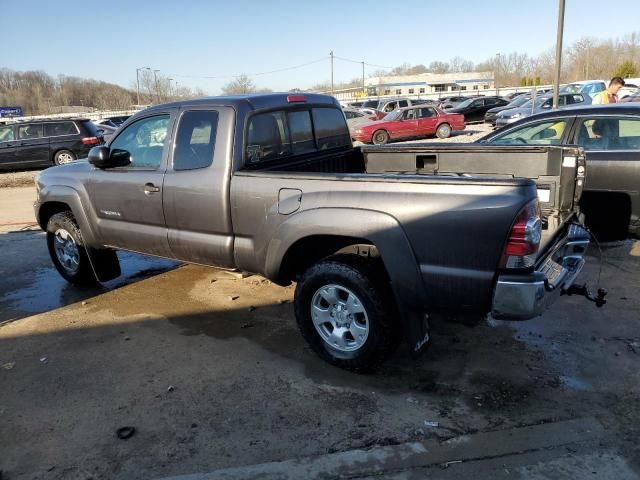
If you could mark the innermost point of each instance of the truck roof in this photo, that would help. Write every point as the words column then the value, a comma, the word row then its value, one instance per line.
column 255, row 101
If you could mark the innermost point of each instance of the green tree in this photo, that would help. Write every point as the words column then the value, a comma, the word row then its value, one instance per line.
column 523, row 82
column 626, row 69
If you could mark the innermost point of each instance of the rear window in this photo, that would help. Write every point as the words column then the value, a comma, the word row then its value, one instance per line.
column 280, row 134
column 56, row 129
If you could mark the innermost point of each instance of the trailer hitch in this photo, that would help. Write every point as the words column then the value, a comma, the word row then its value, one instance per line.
column 584, row 291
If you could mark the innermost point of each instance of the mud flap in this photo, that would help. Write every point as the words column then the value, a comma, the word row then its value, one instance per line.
column 416, row 330
column 105, row 264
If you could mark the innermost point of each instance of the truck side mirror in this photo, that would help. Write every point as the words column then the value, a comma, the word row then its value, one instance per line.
column 103, row 157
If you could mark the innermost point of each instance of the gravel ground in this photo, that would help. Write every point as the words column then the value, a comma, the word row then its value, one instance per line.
column 18, row 179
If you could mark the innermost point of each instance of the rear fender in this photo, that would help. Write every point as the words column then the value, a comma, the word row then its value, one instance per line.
column 381, row 230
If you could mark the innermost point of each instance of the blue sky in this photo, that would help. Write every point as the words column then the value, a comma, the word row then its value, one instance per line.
column 183, row 38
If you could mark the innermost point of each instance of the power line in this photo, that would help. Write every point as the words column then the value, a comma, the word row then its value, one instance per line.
column 360, row 62
column 294, row 67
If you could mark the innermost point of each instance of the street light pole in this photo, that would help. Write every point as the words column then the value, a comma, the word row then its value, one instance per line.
column 155, row 81
column 363, row 89
column 138, row 80
column 331, row 55
column 495, row 74
column 556, row 86
column 170, row 94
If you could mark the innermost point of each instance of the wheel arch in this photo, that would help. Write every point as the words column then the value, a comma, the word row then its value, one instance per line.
column 312, row 234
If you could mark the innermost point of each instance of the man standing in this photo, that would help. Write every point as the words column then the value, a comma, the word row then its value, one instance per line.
column 610, row 95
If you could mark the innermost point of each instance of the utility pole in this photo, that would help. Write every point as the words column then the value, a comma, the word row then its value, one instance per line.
column 331, row 55
column 138, row 80
column 363, row 89
column 170, row 94
column 556, row 86
column 155, row 81
column 177, row 91
column 495, row 76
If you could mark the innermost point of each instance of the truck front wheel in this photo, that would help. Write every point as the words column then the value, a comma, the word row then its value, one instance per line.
column 346, row 313
column 67, row 251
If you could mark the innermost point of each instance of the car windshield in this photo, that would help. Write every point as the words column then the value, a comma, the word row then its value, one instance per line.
column 465, row 104
column 392, row 116
column 519, row 101
column 538, row 102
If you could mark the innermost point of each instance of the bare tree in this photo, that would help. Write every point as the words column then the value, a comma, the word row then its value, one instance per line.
column 239, row 85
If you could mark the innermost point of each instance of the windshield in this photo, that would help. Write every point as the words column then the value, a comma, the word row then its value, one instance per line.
column 392, row 116
column 465, row 104
column 370, row 104
column 518, row 101
column 539, row 101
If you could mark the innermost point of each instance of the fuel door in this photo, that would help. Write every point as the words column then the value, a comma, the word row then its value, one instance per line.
column 289, row 200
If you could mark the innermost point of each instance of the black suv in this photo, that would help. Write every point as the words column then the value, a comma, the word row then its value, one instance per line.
column 38, row 143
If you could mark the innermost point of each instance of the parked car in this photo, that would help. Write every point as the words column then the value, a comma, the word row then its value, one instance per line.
column 474, row 109
column 113, row 121
column 355, row 117
column 634, row 96
column 372, row 113
column 410, row 122
column 271, row 184
column 452, row 101
column 610, row 134
column 626, row 91
column 513, row 95
column 587, row 87
column 43, row 143
column 106, row 132
column 354, row 104
column 540, row 104
column 492, row 113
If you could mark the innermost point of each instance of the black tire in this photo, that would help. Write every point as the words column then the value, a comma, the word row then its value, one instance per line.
column 367, row 280
column 77, row 269
column 63, row 156
column 443, row 131
column 380, row 137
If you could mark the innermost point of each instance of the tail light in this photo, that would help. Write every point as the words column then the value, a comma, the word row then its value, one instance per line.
column 375, row 117
column 524, row 238
column 90, row 140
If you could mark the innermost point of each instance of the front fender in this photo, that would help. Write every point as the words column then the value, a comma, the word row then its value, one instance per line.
column 69, row 196
column 383, row 231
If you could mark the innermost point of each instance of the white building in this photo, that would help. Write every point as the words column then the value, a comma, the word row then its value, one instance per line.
column 429, row 83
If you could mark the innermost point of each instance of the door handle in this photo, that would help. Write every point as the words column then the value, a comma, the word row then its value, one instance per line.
column 150, row 188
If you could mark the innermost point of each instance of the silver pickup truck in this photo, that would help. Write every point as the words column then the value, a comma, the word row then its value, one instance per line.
column 376, row 238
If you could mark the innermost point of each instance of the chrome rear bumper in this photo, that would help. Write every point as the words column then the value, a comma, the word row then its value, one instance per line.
column 518, row 297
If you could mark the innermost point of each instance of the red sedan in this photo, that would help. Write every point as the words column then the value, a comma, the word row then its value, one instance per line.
column 409, row 122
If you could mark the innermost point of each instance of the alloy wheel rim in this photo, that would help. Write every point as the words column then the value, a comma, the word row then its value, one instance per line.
column 67, row 251
column 64, row 158
column 340, row 318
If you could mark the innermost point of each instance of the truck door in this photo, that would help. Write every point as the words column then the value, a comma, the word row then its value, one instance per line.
column 128, row 200
column 196, row 187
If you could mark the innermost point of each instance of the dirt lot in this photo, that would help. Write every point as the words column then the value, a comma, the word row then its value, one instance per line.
column 210, row 381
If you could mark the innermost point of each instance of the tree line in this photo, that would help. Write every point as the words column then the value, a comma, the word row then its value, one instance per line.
column 39, row 93
column 586, row 58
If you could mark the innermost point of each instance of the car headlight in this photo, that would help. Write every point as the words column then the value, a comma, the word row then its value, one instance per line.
column 515, row 115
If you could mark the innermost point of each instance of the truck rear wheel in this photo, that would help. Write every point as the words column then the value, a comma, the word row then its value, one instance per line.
column 66, row 249
column 346, row 313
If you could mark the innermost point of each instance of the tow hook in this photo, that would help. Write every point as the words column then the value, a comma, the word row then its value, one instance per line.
column 584, row 291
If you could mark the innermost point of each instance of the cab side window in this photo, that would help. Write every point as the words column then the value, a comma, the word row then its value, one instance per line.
column 195, row 140
column 143, row 142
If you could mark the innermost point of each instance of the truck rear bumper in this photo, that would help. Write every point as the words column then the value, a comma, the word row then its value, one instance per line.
column 518, row 297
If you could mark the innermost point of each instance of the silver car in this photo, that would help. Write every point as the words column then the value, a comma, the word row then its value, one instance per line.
column 540, row 104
